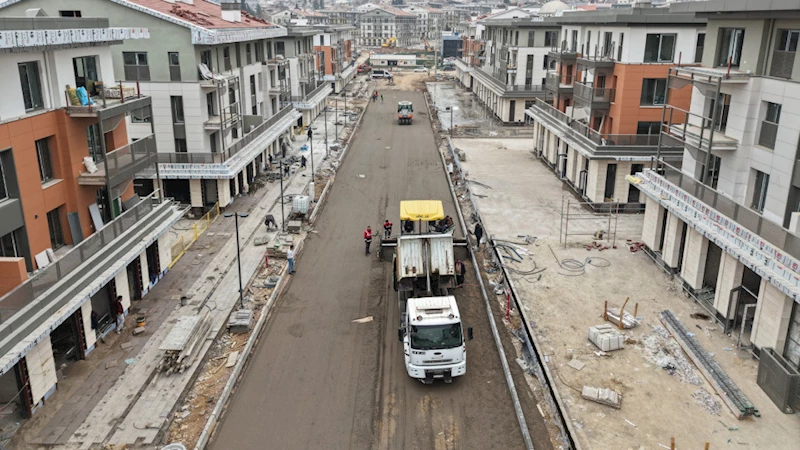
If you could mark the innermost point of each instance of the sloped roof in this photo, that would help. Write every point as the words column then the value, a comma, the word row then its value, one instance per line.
column 396, row 12
column 202, row 13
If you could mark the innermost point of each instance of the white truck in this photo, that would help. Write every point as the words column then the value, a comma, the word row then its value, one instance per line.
column 433, row 339
column 423, row 272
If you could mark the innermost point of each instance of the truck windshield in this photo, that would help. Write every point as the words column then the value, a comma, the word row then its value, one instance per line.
column 435, row 337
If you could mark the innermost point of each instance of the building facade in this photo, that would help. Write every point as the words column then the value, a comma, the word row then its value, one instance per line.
column 387, row 25
column 309, row 90
column 608, row 87
column 75, row 232
column 725, row 220
column 430, row 21
column 335, row 42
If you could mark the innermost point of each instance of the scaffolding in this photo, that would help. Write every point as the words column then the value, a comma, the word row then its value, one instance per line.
column 578, row 219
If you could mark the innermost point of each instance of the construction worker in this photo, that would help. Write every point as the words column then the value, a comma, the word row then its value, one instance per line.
column 368, row 238
column 387, row 228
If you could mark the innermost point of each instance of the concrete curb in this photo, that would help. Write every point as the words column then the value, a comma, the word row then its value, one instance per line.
column 523, row 424
column 318, row 207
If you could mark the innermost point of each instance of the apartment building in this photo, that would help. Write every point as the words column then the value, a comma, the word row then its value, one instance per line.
column 725, row 220
column 338, row 61
column 74, row 232
column 430, row 21
column 513, row 66
column 378, row 25
column 309, row 90
column 608, row 88
column 299, row 17
column 221, row 95
column 341, row 16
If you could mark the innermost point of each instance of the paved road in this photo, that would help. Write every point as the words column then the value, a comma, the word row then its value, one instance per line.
column 317, row 380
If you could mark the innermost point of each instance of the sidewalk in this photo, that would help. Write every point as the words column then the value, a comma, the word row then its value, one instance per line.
column 120, row 403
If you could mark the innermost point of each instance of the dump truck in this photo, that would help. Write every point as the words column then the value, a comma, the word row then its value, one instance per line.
column 423, row 273
column 405, row 112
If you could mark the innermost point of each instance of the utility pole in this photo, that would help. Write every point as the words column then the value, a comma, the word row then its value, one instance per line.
column 325, row 114
column 336, row 120
column 283, row 216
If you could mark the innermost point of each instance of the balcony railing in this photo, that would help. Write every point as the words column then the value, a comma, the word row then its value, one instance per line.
column 782, row 63
column 236, row 147
column 107, row 97
column 123, row 163
column 563, row 50
column 768, row 133
column 596, row 97
column 556, row 82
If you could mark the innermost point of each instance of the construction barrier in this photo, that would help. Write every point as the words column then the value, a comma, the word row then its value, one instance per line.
column 188, row 237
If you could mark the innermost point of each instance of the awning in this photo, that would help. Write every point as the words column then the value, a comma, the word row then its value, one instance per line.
column 416, row 210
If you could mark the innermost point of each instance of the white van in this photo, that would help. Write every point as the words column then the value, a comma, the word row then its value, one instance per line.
column 378, row 73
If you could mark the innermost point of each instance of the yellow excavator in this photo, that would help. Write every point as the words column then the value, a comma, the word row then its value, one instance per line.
column 391, row 42
column 428, row 47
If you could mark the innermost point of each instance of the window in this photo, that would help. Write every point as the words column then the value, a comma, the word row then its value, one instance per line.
column 45, row 164
column 783, row 56
column 588, row 50
column 237, row 50
column 654, row 91
column 213, row 141
column 253, row 102
column 550, row 38
column 180, row 146
column 231, row 96
column 730, row 47
column 174, row 66
column 85, row 69
column 210, row 104
column 769, row 126
column 8, row 245
column 205, row 58
column 3, row 190
column 31, row 87
column 136, row 66
column 248, row 54
column 93, row 142
column 574, row 45
column 546, row 62
column 761, row 183
column 659, row 48
column 698, row 49
column 56, row 233
column 712, row 174
column 176, row 102
column 619, row 47
column 530, row 38
column 235, row 132
column 259, row 51
column 607, row 50
column 647, row 128
column 69, row 13
column 141, row 115
column 226, row 58
column 280, row 49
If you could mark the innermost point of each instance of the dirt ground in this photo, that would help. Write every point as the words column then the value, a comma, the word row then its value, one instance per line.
column 663, row 394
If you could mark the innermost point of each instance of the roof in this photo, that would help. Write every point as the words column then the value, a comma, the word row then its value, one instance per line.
column 416, row 210
column 553, row 7
column 433, row 309
column 745, row 8
column 306, row 13
column 628, row 16
column 395, row 11
column 202, row 13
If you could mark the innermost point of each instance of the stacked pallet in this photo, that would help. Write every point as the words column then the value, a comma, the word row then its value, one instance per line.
column 182, row 344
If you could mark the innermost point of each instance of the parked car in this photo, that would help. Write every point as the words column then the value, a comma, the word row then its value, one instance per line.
column 378, row 73
column 420, row 69
column 449, row 68
column 363, row 68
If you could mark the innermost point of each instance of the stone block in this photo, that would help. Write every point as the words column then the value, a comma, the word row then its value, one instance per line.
column 240, row 321
column 606, row 338
column 604, row 396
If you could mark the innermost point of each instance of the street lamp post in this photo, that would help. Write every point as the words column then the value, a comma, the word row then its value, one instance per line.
column 325, row 113
column 345, row 103
column 283, row 217
column 236, row 216
column 451, row 109
column 336, row 120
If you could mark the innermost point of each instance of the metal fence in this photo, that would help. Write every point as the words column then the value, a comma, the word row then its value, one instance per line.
column 45, row 278
column 189, row 237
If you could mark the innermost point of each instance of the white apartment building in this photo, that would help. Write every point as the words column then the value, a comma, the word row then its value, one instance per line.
column 430, row 21
column 309, row 89
column 378, row 25
column 513, row 65
column 726, row 220
column 46, row 316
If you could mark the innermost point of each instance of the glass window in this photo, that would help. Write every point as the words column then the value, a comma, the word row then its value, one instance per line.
column 174, row 59
column 31, row 87
column 93, row 142
column 136, row 66
column 730, row 50
column 647, row 128
column 248, row 54
column 698, row 50
column 654, row 91
column 761, row 181
column 45, row 164
column 436, row 337
column 177, row 108
column 56, row 233
column 787, row 41
column 180, row 146
column 8, row 245
column 773, row 113
column 659, row 48
column 3, row 190
column 69, row 13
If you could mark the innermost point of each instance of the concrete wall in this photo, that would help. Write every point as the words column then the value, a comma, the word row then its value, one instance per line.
column 12, row 273
column 652, row 225
column 41, row 370
column 728, row 277
column 164, row 252
column 145, row 275
column 88, row 332
column 771, row 322
column 121, row 280
column 196, row 193
column 694, row 258
column 672, row 240
column 754, row 31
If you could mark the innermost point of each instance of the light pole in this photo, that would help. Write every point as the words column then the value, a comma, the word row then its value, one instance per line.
column 345, row 103
column 236, row 216
column 311, row 139
column 451, row 109
column 283, row 217
column 336, row 120
column 325, row 113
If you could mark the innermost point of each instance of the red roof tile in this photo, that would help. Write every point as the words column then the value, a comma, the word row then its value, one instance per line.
column 201, row 13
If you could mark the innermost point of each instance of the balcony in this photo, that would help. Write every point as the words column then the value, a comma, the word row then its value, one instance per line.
column 711, row 75
column 559, row 84
column 310, row 100
column 563, row 52
column 109, row 101
column 223, row 121
column 598, row 61
column 277, row 61
column 701, row 138
column 507, row 90
column 231, row 160
column 633, row 147
column 54, row 293
column 123, row 164
column 593, row 97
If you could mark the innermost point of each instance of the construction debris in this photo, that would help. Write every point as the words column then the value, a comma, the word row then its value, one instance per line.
column 239, row 322
column 182, row 344
column 606, row 338
column 730, row 393
column 661, row 350
column 231, row 361
column 604, row 396
column 704, row 400
column 363, row 320
column 575, row 364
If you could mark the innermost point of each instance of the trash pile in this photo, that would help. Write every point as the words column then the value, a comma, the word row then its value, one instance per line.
column 660, row 349
column 704, row 400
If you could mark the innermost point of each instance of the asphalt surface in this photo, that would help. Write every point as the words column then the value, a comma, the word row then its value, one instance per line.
column 317, row 380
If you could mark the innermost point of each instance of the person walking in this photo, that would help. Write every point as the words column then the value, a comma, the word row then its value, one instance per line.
column 120, row 311
column 368, row 238
column 303, row 161
column 290, row 259
column 270, row 161
column 381, row 99
column 310, row 133
column 461, row 270
column 478, row 233
column 269, row 221
column 286, row 171
column 283, row 149
column 387, row 228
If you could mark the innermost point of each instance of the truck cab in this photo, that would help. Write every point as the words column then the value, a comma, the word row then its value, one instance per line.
column 433, row 339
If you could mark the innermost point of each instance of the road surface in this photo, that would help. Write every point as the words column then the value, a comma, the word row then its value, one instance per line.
column 317, row 380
